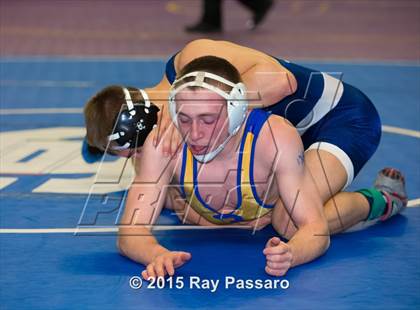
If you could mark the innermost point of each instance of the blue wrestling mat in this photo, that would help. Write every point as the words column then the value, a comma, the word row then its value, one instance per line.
column 45, row 186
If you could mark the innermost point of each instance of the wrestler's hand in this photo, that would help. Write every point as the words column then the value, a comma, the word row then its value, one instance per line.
column 165, row 264
column 167, row 134
column 278, row 257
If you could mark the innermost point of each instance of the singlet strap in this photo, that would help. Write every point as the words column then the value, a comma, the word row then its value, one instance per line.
column 170, row 69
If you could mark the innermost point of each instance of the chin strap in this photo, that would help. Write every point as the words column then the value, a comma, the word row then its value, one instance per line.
column 205, row 158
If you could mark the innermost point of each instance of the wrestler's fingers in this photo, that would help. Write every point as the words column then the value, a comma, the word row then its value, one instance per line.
column 273, row 242
column 171, row 147
column 181, row 258
column 169, row 266
column 151, row 271
column 282, row 248
column 278, row 265
column 175, row 142
column 159, row 268
column 157, row 136
column 166, row 142
column 275, row 272
column 145, row 275
column 278, row 258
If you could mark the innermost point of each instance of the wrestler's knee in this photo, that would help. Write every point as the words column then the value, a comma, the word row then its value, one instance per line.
column 328, row 173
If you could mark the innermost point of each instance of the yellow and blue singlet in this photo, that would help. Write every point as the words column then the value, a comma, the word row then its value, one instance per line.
column 249, row 205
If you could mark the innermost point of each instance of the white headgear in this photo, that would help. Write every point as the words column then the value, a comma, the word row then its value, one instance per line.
column 237, row 104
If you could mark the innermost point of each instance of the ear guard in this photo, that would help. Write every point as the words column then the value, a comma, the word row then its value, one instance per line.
column 133, row 125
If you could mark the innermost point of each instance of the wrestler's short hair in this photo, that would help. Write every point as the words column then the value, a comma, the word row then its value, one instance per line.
column 211, row 64
column 101, row 112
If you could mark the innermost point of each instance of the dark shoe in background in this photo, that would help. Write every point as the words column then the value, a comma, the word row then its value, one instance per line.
column 260, row 15
column 203, row 28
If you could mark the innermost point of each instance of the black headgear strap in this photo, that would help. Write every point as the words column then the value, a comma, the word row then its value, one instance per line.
column 133, row 124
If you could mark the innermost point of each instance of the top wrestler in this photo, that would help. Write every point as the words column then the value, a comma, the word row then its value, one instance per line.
column 339, row 127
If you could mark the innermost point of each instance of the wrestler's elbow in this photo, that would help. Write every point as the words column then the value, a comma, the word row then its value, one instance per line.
column 277, row 90
column 121, row 245
column 325, row 244
column 288, row 84
column 125, row 241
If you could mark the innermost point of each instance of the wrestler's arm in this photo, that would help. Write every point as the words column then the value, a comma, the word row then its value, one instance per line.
column 267, row 81
column 267, row 84
column 159, row 93
column 299, row 195
column 144, row 203
column 166, row 134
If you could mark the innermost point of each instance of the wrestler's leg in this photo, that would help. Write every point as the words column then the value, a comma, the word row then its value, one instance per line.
column 337, row 148
column 342, row 209
column 347, row 211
